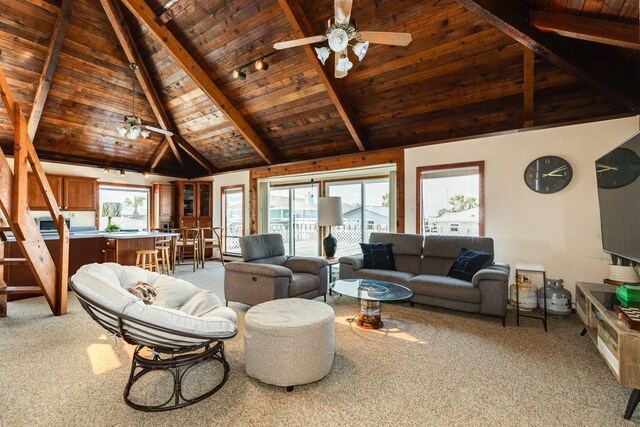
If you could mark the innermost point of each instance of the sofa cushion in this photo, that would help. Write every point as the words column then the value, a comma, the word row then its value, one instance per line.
column 302, row 283
column 399, row 277
column 378, row 255
column 468, row 263
column 407, row 249
column 259, row 246
column 444, row 287
column 441, row 251
column 147, row 293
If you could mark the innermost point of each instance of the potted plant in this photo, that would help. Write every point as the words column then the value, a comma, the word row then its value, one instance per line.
column 110, row 228
column 623, row 269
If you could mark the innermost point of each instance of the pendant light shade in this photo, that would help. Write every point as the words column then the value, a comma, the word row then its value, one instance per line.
column 344, row 64
column 323, row 54
column 360, row 49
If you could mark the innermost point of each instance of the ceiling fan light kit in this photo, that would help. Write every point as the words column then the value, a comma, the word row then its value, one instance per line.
column 133, row 127
column 340, row 32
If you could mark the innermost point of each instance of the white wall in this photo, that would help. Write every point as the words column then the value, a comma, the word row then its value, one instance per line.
column 225, row 180
column 561, row 231
column 80, row 218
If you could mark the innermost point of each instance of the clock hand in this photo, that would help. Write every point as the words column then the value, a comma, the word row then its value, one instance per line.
column 604, row 168
column 560, row 169
column 551, row 174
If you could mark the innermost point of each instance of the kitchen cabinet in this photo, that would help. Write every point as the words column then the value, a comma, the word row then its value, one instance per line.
column 164, row 204
column 71, row 192
column 35, row 198
column 194, row 204
column 80, row 194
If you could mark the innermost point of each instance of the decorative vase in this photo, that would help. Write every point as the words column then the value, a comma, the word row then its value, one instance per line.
column 558, row 298
column 330, row 244
column 623, row 273
column 528, row 294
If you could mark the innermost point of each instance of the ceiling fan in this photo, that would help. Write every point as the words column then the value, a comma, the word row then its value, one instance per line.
column 133, row 127
column 341, row 31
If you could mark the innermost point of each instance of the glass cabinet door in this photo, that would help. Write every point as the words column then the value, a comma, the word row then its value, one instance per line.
column 204, row 203
column 188, row 199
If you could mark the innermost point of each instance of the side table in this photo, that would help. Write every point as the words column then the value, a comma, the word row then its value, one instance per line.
column 531, row 268
column 332, row 262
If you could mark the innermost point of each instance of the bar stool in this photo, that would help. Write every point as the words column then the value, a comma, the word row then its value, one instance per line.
column 163, row 245
column 148, row 259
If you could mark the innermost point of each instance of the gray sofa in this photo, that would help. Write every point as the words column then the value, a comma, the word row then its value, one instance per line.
column 266, row 273
column 422, row 264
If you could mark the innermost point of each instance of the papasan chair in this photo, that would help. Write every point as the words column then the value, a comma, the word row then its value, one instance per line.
column 182, row 328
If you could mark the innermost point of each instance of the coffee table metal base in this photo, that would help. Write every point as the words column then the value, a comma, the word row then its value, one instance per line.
column 369, row 316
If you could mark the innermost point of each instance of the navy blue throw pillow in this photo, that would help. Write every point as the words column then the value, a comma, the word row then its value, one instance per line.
column 378, row 255
column 468, row 263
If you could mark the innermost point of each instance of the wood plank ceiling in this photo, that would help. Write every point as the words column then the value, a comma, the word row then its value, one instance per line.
column 463, row 75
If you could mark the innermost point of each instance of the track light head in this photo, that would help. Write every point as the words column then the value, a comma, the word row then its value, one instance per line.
column 239, row 74
column 121, row 172
column 106, row 170
column 261, row 65
column 145, row 174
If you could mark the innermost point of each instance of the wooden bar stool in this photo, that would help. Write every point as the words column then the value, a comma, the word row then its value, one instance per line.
column 148, row 259
column 164, row 247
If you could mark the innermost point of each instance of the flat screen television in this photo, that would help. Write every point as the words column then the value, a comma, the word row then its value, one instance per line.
column 617, row 174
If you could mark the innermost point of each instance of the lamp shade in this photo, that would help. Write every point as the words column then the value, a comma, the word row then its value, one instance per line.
column 111, row 209
column 329, row 211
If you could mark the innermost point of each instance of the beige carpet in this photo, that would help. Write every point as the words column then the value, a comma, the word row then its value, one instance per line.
column 428, row 366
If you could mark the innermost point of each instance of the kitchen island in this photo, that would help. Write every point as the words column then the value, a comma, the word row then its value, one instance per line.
column 85, row 247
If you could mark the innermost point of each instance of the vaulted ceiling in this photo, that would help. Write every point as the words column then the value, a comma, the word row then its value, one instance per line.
column 468, row 71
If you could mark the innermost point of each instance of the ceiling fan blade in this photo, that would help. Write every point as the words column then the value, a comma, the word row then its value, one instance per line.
column 342, row 9
column 339, row 74
column 299, row 42
column 380, row 37
column 158, row 130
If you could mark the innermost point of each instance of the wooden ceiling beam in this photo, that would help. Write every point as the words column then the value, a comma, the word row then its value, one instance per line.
column 46, row 5
column 302, row 28
column 116, row 18
column 594, row 68
column 59, row 31
column 173, row 9
column 528, row 85
column 195, row 154
column 591, row 29
column 168, row 41
column 157, row 156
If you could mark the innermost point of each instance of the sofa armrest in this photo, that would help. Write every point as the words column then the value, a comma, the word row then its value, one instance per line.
column 309, row 265
column 355, row 261
column 493, row 283
column 267, row 270
column 496, row 272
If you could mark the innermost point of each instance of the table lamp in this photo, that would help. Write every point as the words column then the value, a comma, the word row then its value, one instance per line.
column 329, row 214
column 111, row 210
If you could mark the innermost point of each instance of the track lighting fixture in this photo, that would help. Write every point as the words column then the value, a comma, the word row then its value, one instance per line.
column 239, row 74
column 121, row 172
column 258, row 64
column 106, row 170
column 261, row 65
column 145, row 174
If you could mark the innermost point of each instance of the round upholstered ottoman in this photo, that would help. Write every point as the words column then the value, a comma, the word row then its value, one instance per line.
column 289, row 341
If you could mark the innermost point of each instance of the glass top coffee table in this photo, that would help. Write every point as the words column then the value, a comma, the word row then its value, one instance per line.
column 371, row 293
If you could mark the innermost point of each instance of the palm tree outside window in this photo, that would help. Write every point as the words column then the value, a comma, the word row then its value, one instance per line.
column 134, row 202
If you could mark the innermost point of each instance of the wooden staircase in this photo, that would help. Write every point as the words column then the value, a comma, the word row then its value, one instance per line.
column 51, row 278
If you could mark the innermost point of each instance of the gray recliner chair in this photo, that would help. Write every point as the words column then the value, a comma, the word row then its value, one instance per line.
column 266, row 273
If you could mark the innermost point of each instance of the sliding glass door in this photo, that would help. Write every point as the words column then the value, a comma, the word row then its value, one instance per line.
column 293, row 213
column 365, row 209
column 232, row 218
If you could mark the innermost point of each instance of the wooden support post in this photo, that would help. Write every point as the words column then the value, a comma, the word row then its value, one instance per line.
column 19, row 196
column 62, row 270
column 528, row 86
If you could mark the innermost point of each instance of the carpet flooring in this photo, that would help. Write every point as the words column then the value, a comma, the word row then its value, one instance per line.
column 428, row 366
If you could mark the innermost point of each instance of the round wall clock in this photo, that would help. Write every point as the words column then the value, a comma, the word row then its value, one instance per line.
column 548, row 174
column 617, row 169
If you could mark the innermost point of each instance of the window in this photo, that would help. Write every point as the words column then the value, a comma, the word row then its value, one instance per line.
column 450, row 199
column 365, row 210
column 127, row 207
column 293, row 213
column 232, row 218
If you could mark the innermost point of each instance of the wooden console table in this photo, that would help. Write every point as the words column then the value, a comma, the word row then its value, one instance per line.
column 618, row 345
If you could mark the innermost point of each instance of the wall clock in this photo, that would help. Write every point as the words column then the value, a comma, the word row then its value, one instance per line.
column 548, row 174
column 618, row 168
